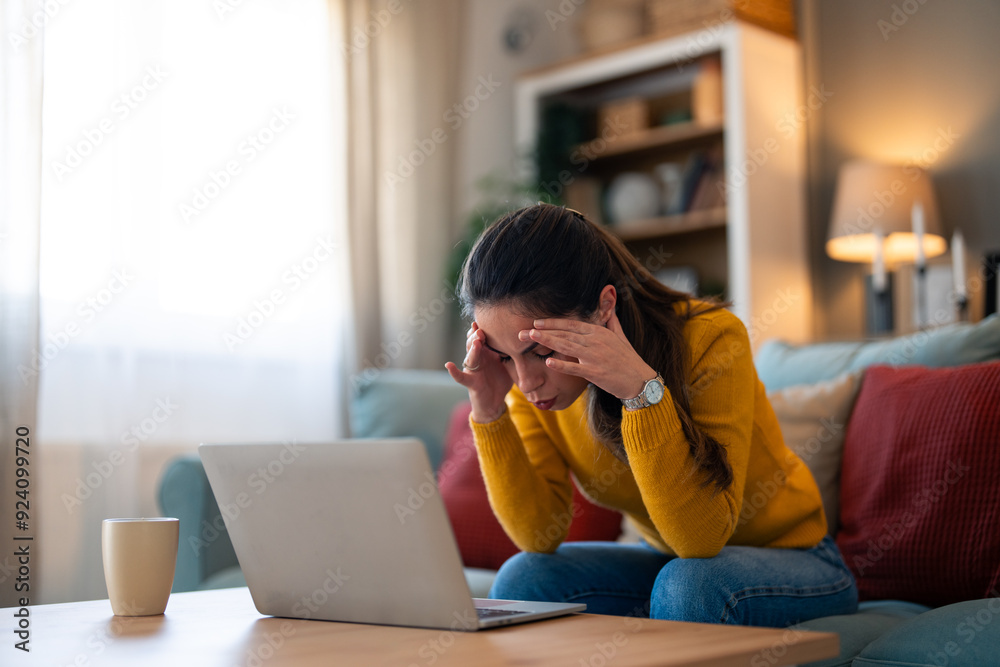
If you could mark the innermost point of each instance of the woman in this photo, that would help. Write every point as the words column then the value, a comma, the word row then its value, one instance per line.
column 578, row 361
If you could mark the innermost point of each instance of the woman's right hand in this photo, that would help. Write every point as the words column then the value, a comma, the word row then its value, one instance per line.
column 484, row 376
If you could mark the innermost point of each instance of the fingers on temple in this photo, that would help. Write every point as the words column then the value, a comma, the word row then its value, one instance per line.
column 558, row 324
column 561, row 341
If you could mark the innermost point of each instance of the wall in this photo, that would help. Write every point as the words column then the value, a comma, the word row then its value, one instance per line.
column 901, row 75
column 484, row 128
column 486, row 145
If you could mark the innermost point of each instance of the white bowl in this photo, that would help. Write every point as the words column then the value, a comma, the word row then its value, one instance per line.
column 632, row 196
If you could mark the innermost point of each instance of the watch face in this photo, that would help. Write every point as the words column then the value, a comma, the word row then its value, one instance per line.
column 654, row 391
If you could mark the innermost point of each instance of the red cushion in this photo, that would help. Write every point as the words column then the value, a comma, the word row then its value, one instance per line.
column 920, row 498
column 481, row 539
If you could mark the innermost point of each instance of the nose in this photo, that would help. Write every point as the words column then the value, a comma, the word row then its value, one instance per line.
column 529, row 378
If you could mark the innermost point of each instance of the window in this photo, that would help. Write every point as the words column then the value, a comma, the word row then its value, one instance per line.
column 191, row 253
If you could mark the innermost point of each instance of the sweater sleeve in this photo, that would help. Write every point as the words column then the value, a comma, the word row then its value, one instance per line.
column 697, row 521
column 527, row 478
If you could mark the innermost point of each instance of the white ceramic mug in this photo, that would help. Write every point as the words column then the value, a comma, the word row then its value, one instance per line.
column 139, row 560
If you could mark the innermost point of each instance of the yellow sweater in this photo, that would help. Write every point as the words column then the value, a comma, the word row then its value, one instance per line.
column 527, row 454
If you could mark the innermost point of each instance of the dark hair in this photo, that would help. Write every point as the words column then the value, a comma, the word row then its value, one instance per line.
column 548, row 261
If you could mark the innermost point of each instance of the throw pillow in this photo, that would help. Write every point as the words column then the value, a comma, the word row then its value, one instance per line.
column 813, row 420
column 919, row 499
column 481, row 539
column 780, row 364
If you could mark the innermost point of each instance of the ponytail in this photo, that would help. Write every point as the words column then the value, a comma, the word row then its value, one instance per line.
column 649, row 317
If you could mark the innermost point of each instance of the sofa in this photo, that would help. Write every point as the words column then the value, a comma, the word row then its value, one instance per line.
column 901, row 435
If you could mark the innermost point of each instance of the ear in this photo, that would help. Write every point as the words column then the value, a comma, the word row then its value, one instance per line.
column 606, row 303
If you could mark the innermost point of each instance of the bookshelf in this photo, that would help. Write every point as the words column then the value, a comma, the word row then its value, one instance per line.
column 747, row 232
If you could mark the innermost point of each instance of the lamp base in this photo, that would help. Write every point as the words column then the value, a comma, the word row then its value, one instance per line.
column 878, row 308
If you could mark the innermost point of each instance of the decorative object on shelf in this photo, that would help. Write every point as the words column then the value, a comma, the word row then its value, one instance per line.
column 706, row 92
column 632, row 196
column 584, row 194
column 681, row 278
column 675, row 117
column 629, row 116
column 673, row 17
column 671, row 175
column 608, row 23
column 694, row 168
column 708, row 190
column 879, row 213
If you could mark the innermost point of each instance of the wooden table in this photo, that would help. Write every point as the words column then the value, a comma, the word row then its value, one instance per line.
column 222, row 628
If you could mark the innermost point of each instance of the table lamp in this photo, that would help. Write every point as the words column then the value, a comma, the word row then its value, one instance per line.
column 885, row 214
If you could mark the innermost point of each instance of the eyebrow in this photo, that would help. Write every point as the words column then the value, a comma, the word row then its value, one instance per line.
column 522, row 353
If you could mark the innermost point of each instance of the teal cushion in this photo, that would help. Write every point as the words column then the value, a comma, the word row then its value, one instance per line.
column 231, row 577
column 858, row 630
column 780, row 364
column 203, row 545
column 900, row 608
column 959, row 635
column 405, row 403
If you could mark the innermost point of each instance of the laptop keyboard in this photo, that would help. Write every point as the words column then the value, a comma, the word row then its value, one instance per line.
column 496, row 613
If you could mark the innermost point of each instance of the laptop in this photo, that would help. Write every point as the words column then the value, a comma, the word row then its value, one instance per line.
column 354, row 531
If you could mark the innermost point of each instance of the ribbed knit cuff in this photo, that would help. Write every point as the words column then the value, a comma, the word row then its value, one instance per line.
column 648, row 428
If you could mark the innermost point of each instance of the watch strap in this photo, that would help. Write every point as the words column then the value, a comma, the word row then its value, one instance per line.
column 641, row 401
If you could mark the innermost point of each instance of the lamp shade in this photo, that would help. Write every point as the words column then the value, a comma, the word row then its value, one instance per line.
column 876, row 200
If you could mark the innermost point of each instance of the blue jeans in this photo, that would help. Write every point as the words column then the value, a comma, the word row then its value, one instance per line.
column 740, row 586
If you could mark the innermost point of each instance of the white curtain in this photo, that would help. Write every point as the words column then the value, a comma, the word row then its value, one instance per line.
column 20, row 164
column 176, row 214
column 402, row 88
column 193, row 251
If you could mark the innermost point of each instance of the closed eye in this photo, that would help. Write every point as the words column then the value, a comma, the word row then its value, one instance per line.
column 505, row 359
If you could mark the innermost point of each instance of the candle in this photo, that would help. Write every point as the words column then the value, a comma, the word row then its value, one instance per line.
column 917, row 217
column 958, row 264
column 878, row 264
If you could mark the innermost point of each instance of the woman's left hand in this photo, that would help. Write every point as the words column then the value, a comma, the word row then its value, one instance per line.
column 600, row 354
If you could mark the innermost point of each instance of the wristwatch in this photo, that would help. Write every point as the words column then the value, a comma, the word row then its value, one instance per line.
column 651, row 394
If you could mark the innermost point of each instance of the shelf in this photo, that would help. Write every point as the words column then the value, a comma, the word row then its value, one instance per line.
column 667, row 49
column 757, row 244
column 656, row 137
column 638, row 230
